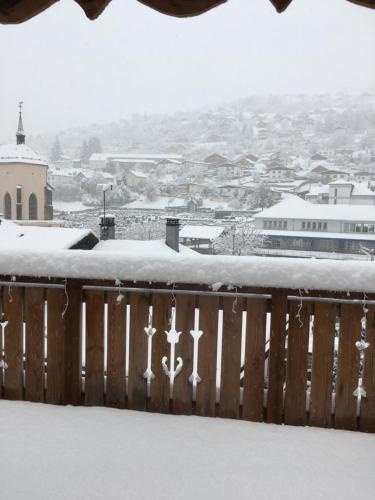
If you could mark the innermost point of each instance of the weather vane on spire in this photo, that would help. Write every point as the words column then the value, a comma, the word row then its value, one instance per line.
column 20, row 104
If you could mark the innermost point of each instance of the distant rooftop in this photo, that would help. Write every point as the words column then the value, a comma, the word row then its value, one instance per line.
column 134, row 156
column 201, row 232
column 294, row 207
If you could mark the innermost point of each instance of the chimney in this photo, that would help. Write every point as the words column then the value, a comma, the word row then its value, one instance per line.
column 107, row 227
column 172, row 229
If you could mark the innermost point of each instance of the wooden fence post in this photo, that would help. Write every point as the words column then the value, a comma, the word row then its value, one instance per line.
column 73, row 345
column 276, row 366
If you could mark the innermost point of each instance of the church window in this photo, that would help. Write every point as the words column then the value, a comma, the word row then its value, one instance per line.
column 7, row 206
column 33, row 207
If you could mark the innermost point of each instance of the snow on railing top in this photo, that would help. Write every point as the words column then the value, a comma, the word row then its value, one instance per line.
column 214, row 271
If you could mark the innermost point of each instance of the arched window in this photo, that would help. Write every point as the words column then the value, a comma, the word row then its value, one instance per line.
column 7, row 206
column 33, row 207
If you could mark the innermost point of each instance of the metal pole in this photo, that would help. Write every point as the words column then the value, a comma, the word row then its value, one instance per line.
column 104, row 191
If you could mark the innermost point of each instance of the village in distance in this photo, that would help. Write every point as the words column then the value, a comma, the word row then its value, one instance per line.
column 290, row 176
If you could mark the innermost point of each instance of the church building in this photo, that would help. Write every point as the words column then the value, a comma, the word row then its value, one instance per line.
column 24, row 191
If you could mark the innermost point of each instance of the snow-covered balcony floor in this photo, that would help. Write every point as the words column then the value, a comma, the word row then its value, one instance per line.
column 51, row 452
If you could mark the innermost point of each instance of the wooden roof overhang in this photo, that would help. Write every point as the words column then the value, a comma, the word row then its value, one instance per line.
column 18, row 11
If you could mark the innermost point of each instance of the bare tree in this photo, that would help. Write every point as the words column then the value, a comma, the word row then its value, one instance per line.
column 239, row 239
column 151, row 190
column 263, row 196
column 150, row 230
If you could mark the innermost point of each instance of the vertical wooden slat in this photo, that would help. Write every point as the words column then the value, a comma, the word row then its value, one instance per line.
column 207, row 352
column 296, row 372
column 56, row 300
column 94, row 378
column 72, row 316
column 348, row 367
column 183, row 389
column 367, row 419
column 34, row 373
column 160, row 385
column 137, row 385
column 13, row 313
column 253, row 395
column 231, row 359
column 116, row 345
column 322, row 364
column 276, row 374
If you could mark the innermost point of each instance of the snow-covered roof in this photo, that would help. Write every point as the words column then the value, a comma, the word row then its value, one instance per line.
column 161, row 203
column 332, row 171
column 216, row 204
column 201, row 232
column 134, row 156
column 63, row 172
column 138, row 174
column 69, row 206
column 362, row 189
column 16, row 237
column 133, row 160
column 316, row 190
column 20, row 153
column 144, row 248
column 341, row 182
column 294, row 207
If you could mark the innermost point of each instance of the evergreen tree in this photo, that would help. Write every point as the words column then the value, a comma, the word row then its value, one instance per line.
column 90, row 147
column 56, row 151
column 94, row 145
column 84, row 152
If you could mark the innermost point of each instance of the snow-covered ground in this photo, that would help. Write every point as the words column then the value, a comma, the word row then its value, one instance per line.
column 70, row 206
column 61, row 453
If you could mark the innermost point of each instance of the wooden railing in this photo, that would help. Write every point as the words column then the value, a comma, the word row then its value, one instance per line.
column 262, row 355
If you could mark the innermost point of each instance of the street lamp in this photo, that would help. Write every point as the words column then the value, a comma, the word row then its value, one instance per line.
column 233, row 237
column 108, row 188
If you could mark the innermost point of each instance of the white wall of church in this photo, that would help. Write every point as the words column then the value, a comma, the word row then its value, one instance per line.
column 32, row 179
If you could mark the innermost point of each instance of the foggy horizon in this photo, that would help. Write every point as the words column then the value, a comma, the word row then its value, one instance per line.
column 136, row 60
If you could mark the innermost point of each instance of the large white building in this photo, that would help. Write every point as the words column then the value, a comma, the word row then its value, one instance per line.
column 299, row 225
column 125, row 161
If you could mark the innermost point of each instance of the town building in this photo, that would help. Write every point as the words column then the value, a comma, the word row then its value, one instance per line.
column 100, row 161
column 200, row 238
column 334, row 175
column 24, row 191
column 277, row 171
column 296, row 224
column 342, row 193
column 135, row 179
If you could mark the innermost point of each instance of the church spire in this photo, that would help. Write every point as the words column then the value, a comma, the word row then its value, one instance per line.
column 20, row 132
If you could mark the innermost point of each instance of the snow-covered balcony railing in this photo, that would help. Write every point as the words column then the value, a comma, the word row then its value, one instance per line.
column 279, row 340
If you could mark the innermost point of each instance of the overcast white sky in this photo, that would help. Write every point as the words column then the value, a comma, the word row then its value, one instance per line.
column 70, row 71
